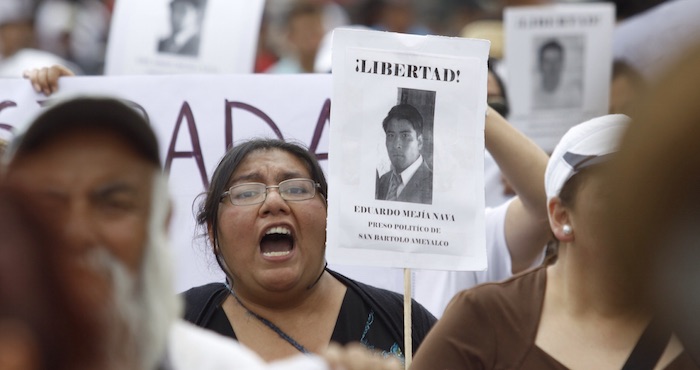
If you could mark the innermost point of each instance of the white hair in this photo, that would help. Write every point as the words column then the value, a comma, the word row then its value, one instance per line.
column 144, row 306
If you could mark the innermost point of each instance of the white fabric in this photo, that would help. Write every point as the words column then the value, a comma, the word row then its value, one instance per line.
column 299, row 362
column 653, row 41
column 598, row 136
column 191, row 347
column 24, row 59
column 434, row 289
column 494, row 191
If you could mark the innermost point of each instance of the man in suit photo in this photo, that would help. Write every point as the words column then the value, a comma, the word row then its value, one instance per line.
column 410, row 179
column 558, row 79
column 186, row 17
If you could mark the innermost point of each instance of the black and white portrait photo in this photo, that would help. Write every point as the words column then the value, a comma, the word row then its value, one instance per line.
column 557, row 79
column 409, row 144
column 186, row 19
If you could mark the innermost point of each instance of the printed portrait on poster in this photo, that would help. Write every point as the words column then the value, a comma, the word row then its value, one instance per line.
column 558, row 73
column 186, row 20
column 408, row 134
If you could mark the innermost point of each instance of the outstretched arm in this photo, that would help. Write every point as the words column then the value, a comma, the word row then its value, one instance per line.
column 45, row 80
column 522, row 163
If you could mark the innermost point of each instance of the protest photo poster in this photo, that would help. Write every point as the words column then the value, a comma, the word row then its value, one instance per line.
column 406, row 151
column 195, row 118
column 183, row 36
column 559, row 62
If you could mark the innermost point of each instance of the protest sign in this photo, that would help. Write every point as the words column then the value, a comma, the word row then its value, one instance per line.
column 415, row 104
column 559, row 65
column 183, row 36
column 195, row 119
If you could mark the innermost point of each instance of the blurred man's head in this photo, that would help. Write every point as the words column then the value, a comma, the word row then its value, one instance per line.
column 16, row 26
column 304, row 25
column 551, row 64
column 46, row 321
column 186, row 14
column 403, row 127
column 654, row 207
column 92, row 167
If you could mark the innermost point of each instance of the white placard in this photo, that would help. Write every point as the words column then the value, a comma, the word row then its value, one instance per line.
column 435, row 219
column 195, row 118
column 183, row 36
column 559, row 61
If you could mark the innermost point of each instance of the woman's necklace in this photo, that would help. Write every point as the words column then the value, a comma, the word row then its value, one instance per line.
column 269, row 323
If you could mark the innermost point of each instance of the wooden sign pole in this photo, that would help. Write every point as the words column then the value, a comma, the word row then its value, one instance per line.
column 408, row 342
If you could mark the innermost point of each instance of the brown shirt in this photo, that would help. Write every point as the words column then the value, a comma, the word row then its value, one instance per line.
column 494, row 326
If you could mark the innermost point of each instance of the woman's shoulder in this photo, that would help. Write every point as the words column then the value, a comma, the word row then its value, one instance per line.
column 521, row 284
column 519, row 297
column 492, row 325
column 391, row 303
column 202, row 300
column 202, row 292
column 388, row 307
column 386, row 298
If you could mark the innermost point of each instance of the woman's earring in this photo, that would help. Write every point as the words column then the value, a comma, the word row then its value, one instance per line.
column 567, row 230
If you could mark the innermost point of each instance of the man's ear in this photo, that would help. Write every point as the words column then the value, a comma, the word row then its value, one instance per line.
column 420, row 142
column 559, row 216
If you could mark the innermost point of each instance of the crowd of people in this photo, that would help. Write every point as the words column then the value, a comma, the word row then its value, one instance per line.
column 591, row 249
column 75, row 32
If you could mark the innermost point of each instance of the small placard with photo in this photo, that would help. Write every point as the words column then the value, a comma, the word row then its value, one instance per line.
column 559, row 64
column 406, row 151
column 183, row 36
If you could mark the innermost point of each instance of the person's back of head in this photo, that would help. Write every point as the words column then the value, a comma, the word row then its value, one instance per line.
column 655, row 202
column 626, row 86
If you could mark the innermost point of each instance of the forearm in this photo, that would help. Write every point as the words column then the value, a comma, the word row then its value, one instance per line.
column 521, row 161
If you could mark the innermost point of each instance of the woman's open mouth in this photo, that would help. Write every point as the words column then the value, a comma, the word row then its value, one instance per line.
column 277, row 242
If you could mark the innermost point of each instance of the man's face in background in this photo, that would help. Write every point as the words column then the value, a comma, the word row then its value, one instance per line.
column 183, row 15
column 551, row 66
column 403, row 143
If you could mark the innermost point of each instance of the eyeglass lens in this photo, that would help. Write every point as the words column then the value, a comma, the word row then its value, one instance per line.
column 252, row 193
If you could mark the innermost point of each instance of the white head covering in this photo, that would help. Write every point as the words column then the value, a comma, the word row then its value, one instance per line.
column 583, row 145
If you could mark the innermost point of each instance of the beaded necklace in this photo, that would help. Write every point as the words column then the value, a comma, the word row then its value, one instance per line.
column 269, row 323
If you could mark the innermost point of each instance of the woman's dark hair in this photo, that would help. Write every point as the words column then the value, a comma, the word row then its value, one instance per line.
column 568, row 192
column 207, row 215
column 406, row 112
column 502, row 107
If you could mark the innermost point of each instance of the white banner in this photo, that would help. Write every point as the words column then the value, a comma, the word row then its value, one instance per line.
column 196, row 118
column 559, row 61
column 406, row 172
column 183, row 36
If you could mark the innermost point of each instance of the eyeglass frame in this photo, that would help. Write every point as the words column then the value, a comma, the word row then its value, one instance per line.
column 227, row 193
